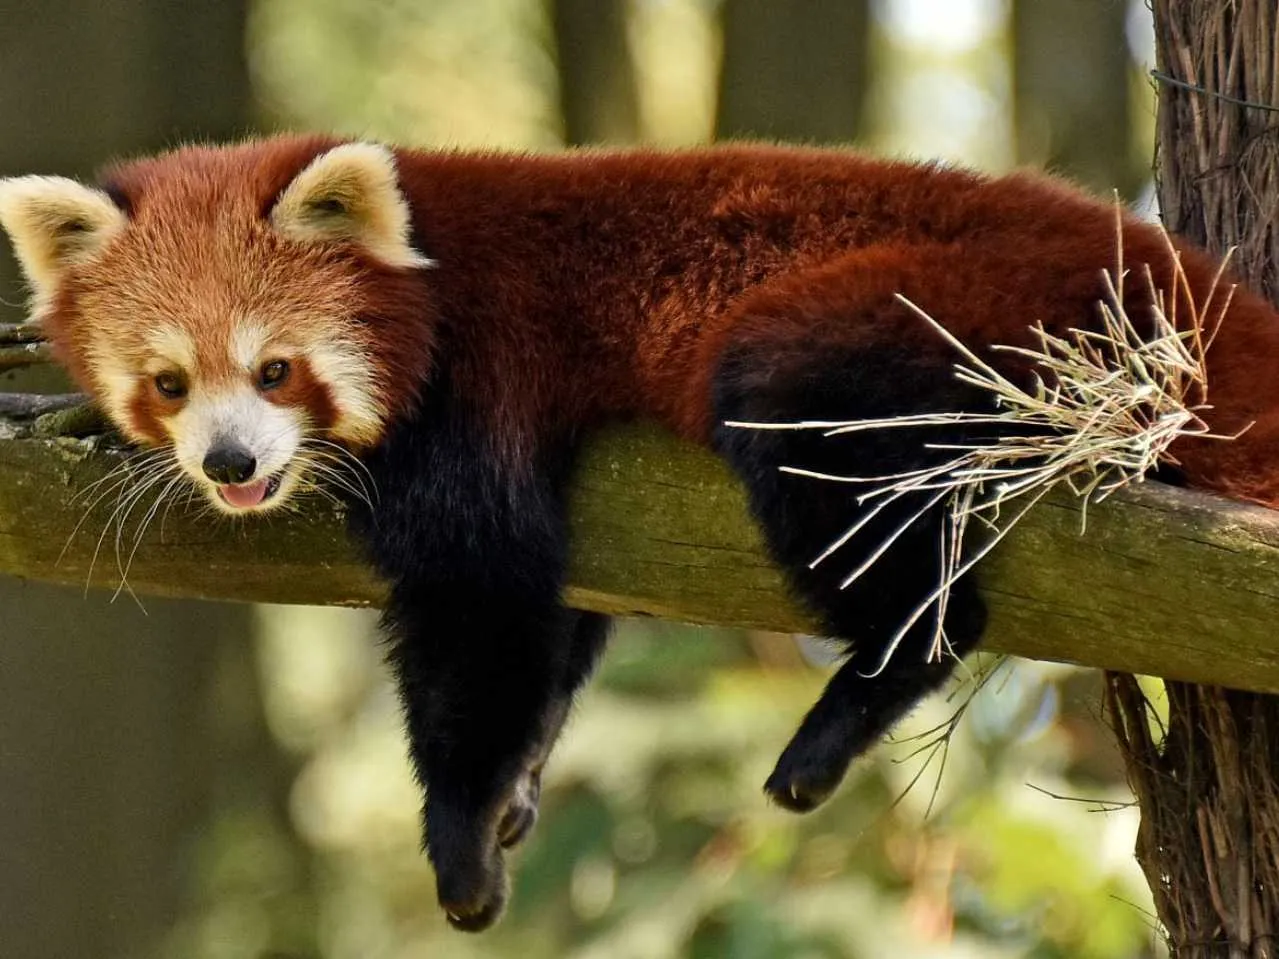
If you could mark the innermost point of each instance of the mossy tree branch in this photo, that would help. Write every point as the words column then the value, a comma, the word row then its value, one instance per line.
column 1165, row 581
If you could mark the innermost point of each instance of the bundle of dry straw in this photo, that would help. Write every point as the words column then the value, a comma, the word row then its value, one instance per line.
column 1101, row 412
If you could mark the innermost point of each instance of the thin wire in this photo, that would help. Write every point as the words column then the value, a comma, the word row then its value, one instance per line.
column 1162, row 77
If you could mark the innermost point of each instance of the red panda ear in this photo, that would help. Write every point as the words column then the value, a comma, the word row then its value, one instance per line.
column 55, row 223
column 350, row 193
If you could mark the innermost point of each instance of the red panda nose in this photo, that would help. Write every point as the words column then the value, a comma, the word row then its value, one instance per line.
column 229, row 463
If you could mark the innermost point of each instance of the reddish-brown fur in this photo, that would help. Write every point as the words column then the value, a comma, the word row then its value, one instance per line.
column 734, row 283
column 303, row 389
column 205, row 207
column 148, row 411
column 608, row 283
column 581, row 286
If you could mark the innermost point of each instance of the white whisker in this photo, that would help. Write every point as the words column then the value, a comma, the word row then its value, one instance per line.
column 146, row 520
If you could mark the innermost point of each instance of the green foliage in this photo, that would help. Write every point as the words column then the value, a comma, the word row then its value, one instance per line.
column 655, row 839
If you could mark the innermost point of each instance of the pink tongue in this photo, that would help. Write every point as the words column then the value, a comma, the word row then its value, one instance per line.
column 244, row 496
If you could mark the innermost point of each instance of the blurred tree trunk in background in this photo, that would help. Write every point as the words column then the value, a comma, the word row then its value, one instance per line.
column 105, row 764
column 84, row 81
column 1209, row 790
column 794, row 71
column 1071, row 98
column 598, row 97
column 105, row 758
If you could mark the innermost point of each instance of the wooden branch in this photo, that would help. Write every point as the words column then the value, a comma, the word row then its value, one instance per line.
column 20, row 333
column 27, row 405
column 1165, row 582
column 24, row 354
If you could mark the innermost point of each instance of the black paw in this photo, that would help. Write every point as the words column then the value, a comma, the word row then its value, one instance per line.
column 813, row 764
column 470, row 871
column 801, row 789
column 472, row 890
column 520, row 815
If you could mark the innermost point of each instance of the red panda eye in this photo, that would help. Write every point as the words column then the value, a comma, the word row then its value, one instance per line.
column 273, row 374
column 171, row 386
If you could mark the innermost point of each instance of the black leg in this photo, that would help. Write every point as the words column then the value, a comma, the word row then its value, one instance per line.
column 862, row 701
column 486, row 658
column 589, row 634
column 484, row 681
column 589, row 637
column 802, row 515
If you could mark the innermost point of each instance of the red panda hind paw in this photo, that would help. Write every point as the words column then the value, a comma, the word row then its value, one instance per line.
column 803, row 787
column 519, row 816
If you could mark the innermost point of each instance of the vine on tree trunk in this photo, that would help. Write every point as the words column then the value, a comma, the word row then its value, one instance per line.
column 1208, row 781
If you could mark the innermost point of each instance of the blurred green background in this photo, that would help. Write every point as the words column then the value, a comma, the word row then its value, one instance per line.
column 203, row 781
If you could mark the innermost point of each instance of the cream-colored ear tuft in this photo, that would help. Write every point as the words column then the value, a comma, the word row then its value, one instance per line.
column 350, row 193
column 55, row 223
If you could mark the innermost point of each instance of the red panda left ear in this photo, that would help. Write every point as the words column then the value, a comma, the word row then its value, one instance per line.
column 54, row 224
column 351, row 193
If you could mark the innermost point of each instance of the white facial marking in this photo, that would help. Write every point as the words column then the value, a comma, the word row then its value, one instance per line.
column 270, row 434
column 172, row 348
column 248, row 340
column 344, row 369
column 116, row 390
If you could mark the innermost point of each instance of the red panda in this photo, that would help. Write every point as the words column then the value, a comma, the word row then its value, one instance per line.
column 457, row 321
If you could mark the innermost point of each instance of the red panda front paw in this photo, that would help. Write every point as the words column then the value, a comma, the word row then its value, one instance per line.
column 470, row 870
column 472, row 888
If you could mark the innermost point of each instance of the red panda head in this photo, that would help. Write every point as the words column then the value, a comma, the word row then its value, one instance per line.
column 240, row 305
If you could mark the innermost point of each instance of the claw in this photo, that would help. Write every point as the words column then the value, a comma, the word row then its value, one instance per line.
column 520, row 815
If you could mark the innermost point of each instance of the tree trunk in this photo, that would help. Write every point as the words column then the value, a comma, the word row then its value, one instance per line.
column 794, row 71
column 597, row 79
column 1219, row 159
column 1209, row 791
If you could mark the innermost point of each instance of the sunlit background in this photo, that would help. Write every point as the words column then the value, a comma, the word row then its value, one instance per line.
column 297, row 832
